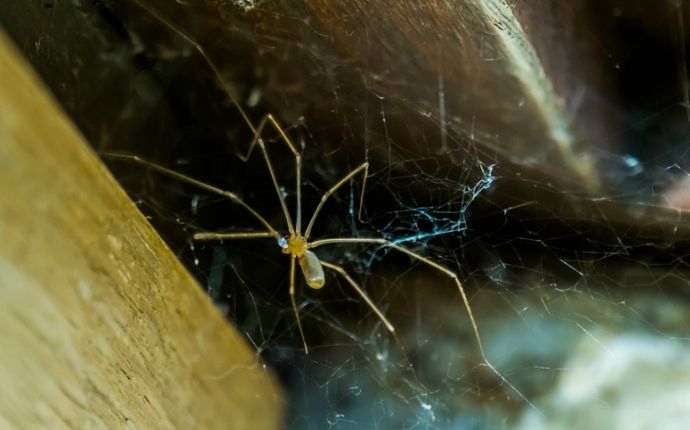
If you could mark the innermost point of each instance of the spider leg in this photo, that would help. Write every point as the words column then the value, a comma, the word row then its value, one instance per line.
column 424, row 260
column 257, row 140
column 294, row 303
column 256, row 130
column 447, row 272
column 184, row 178
column 364, row 168
column 253, row 235
column 209, row 235
column 361, row 292
column 200, row 49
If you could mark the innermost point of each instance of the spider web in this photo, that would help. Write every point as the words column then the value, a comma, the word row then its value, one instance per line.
column 580, row 297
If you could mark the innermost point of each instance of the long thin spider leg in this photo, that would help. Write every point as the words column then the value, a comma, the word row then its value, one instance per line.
column 209, row 235
column 257, row 140
column 200, row 49
column 294, row 303
column 364, row 168
column 256, row 130
column 374, row 308
column 447, row 272
column 184, row 178
column 361, row 292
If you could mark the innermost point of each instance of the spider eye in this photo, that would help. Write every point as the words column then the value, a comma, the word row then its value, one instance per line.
column 282, row 242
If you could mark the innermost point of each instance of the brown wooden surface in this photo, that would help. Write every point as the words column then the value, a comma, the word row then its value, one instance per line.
column 470, row 66
column 100, row 327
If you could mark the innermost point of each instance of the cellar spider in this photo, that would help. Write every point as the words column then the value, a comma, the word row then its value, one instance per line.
column 297, row 244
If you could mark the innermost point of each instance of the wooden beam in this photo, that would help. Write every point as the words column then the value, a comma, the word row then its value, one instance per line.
column 101, row 326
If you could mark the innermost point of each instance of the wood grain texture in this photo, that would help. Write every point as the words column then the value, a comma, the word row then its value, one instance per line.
column 101, row 326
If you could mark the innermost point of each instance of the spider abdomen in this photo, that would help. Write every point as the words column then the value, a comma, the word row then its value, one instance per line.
column 312, row 269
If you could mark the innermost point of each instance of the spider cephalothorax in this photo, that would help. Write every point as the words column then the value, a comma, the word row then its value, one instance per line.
column 293, row 244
